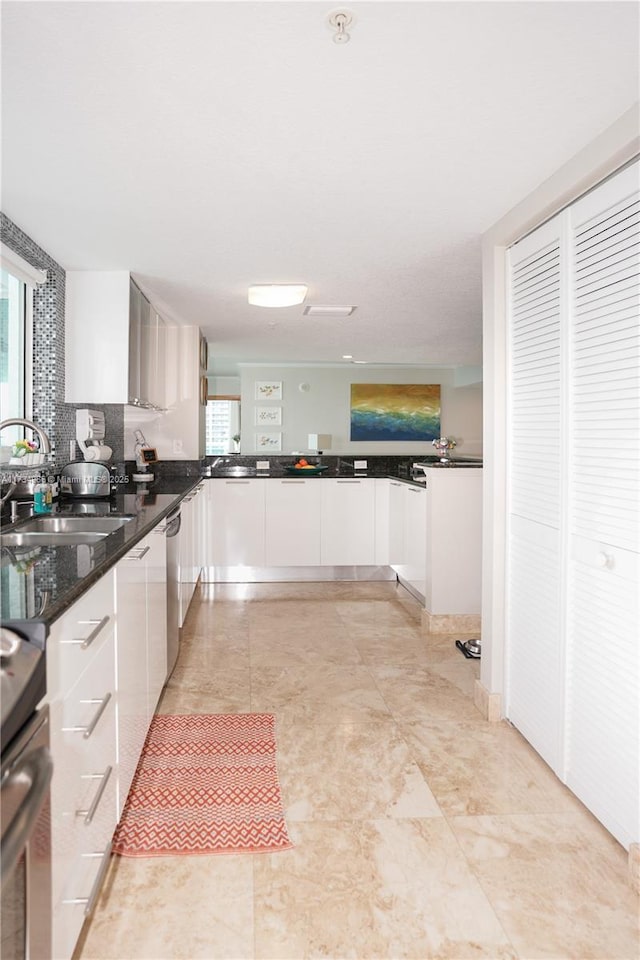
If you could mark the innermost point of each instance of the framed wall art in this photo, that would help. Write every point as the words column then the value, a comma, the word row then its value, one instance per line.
column 268, row 416
column 268, row 442
column 390, row 411
column 268, row 390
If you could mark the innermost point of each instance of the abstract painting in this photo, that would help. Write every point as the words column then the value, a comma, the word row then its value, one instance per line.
column 395, row 411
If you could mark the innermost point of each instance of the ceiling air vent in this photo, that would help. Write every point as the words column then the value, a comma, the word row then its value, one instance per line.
column 325, row 311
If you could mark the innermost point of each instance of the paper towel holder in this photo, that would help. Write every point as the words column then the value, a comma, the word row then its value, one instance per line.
column 90, row 433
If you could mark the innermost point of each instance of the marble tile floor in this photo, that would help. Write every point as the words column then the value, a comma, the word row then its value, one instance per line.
column 421, row 831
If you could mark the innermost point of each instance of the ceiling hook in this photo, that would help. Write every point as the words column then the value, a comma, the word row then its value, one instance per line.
column 340, row 21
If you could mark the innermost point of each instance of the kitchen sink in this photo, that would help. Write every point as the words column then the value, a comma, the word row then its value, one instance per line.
column 68, row 524
column 57, row 531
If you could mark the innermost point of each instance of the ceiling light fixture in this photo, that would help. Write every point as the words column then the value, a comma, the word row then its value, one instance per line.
column 328, row 311
column 277, row 294
column 339, row 21
column 347, row 356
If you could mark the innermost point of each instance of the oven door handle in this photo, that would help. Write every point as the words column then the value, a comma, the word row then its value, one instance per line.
column 34, row 770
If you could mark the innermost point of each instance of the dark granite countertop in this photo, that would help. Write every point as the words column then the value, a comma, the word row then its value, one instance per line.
column 42, row 582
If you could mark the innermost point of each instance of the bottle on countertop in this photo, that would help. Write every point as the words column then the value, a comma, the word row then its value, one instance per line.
column 42, row 498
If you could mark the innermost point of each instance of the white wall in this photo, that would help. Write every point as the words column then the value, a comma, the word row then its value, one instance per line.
column 325, row 406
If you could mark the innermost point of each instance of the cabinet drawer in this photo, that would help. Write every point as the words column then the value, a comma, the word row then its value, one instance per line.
column 77, row 636
column 83, row 744
column 77, row 899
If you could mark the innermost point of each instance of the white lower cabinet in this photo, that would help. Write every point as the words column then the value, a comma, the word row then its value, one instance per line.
column 382, row 522
column 396, row 523
column 81, row 692
column 192, row 509
column 187, row 530
column 413, row 535
column 347, row 522
column 292, row 524
column 141, row 603
column 237, row 530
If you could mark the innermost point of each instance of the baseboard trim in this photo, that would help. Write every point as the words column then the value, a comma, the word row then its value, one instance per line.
column 245, row 574
column 489, row 704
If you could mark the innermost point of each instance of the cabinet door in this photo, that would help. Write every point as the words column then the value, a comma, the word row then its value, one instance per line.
column 97, row 336
column 534, row 688
column 382, row 522
column 156, row 617
column 348, row 522
column 186, row 555
column 238, row 529
column 131, row 608
column 396, row 523
column 415, row 539
column 292, row 522
column 603, row 655
column 199, row 514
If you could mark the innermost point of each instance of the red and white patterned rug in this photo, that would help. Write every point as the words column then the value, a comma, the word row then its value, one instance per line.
column 205, row 784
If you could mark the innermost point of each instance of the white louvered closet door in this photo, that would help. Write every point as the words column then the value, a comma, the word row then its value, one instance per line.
column 602, row 758
column 534, row 696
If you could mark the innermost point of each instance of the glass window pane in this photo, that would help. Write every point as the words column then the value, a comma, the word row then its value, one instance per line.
column 12, row 346
column 222, row 422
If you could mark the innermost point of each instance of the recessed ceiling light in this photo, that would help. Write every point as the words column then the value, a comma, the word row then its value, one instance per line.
column 277, row 294
column 361, row 361
column 347, row 356
column 329, row 311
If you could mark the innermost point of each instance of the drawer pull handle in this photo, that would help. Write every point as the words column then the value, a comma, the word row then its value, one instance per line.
column 138, row 554
column 87, row 641
column 237, row 481
column 87, row 731
column 293, row 481
column 91, row 812
column 349, row 481
column 90, row 901
column 394, row 484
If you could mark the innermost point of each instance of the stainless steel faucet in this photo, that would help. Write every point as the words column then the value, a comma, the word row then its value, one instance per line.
column 215, row 463
column 45, row 445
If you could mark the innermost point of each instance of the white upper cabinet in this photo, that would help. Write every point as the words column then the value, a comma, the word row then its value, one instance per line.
column 114, row 341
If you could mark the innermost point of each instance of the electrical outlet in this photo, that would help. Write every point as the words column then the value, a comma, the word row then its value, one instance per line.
column 177, row 446
column 359, row 464
column 262, row 464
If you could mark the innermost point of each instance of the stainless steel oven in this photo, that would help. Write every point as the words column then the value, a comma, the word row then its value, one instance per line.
column 26, row 770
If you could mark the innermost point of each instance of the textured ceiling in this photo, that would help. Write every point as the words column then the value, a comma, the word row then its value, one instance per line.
column 209, row 145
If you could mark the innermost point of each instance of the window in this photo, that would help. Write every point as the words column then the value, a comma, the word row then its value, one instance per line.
column 15, row 367
column 222, row 423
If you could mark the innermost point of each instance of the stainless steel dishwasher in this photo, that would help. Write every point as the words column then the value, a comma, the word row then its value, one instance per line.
column 172, row 535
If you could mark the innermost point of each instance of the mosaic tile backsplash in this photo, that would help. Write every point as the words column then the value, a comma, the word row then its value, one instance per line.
column 57, row 418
